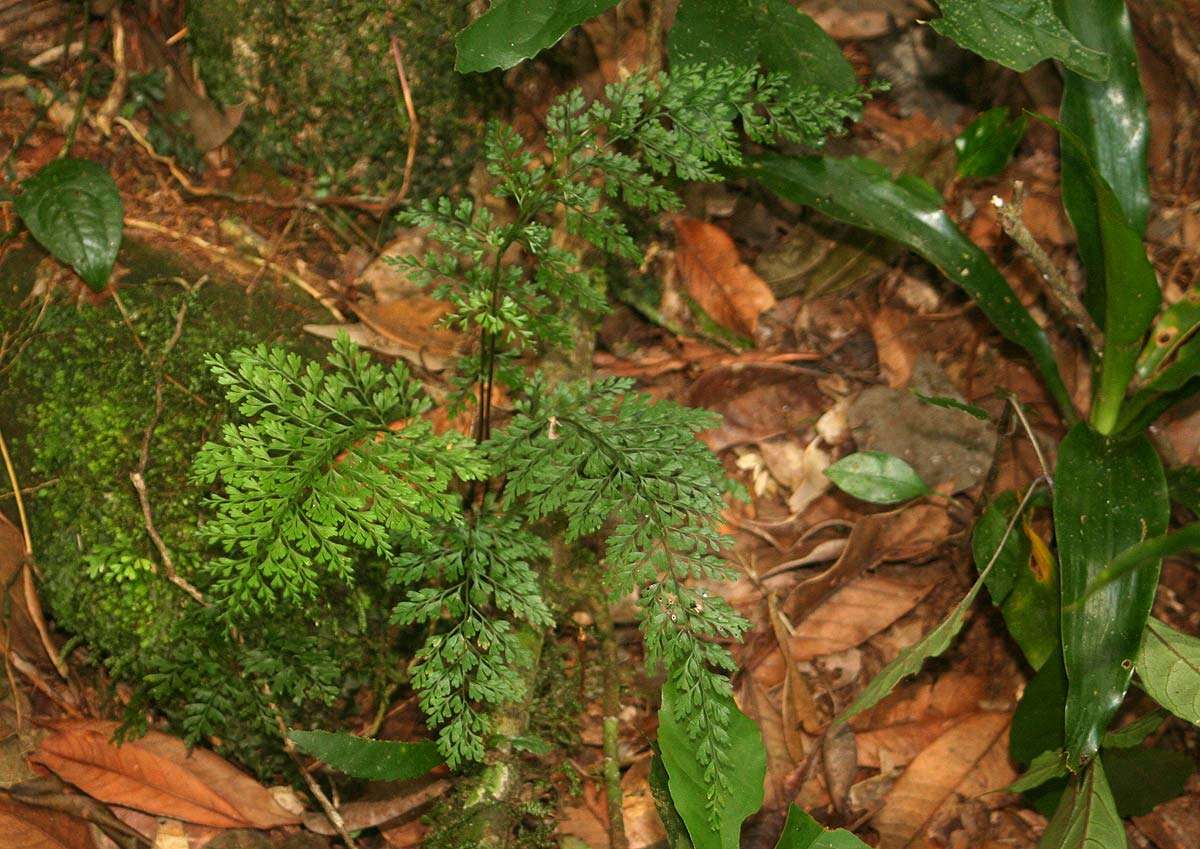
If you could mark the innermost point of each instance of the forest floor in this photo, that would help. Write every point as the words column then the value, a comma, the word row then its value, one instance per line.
column 840, row 329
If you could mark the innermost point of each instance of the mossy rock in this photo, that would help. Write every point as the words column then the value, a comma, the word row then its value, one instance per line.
column 79, row 397
column 322, row 92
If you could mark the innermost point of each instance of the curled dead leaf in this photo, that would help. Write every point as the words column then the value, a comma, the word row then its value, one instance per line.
column 726, row 288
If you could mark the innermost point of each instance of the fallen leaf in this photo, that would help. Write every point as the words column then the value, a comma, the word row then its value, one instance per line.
column 413, row 322
column 157, row 774
column 755, row 702
column 901, row 726
column 170, row 835
column 860, row 610
column 586, row 818
column 839, row 760
column 388, row 801
column 966, row 761
column 716, row 278
column 1174, row 824
column 895, row 348
column 756, row 401
column 26, row 827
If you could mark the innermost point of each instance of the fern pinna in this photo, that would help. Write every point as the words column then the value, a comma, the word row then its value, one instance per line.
column 332, row 463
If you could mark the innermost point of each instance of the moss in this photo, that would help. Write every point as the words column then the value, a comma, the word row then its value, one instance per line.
column 78, row 400
column 322, row 90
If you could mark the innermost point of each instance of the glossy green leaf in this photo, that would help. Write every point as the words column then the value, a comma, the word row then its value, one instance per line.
column 877, row 477
column 1146, row 553
column 1043, row 768
column 688, row 783
column 1110, row 119
column 1142, row 779
column 1173, row 327
column 801, row 831
column 1038, row 722
column 1108, row 495
column 511, row 31
column 772, row 33
column 862, row 193
column 1168, row 666
column 659, row 781
column 1015, row 553
column 72, row 207
column 362, row 757
column 988, row 142
column 1134, row 733
column 1017, row 33
column 946, row 402
column 1087, row 815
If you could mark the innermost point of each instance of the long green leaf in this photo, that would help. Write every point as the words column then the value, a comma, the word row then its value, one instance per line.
column 772, row 33
column 862, row 193
column 1108, row 496
column 1173, row 327
column 1110, row 119
column 1017, row 33
column 1168, row 666
column 690, row 779
column 801, row 831
column 514, row 30
column 988, row 142
column 72, row 207
column 1045, row 767
column 1087, row 815
column 1145, row 553
column 362, row 757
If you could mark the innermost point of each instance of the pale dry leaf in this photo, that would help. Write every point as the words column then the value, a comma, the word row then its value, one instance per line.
column 839, row 760
column 901, row 726
column 858, row 611
column 157, row 774
column 727, row 289
column 26, row 827
column 966, row 761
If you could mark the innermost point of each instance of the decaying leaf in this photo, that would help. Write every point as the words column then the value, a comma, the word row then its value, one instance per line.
column 26, row 827
column 716, row 278
column 157, row 774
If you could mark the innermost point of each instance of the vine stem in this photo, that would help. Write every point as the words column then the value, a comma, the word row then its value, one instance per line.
column 611, row 703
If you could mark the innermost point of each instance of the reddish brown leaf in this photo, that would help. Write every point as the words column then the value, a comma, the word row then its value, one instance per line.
column 157, row 774
column 27, row 827
column 716, row 278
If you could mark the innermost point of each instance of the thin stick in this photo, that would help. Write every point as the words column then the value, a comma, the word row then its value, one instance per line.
column 414, row 126
column 1037, row 447
column 16, row 492
column 654, row 25
column 1061, row 294
column 610, row 675
column 116, row 93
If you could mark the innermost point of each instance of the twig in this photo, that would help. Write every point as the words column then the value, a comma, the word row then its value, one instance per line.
column 1061, row 294
column 16, row 492
column 414, row 127
column 1037, row 447
column 116, row 93
column 611, row 703
column 83, row 89
column 654, row 25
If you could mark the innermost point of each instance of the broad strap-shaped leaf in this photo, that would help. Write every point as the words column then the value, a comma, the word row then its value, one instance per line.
column 513, row 30
column 1109, row 118
column 862, row 193
column 691, row 781
column 988, row 142
column 1018, row 34
column 1130, row 292
column 1108, row 495
column 801, row 831
column 373, row 760
column 1045, row 767
column 1037, row 724
column 72, row 207
column 1087, row 815
column 1168, row 666
column 1147, row 552
column 877, row 477
column 772, row 33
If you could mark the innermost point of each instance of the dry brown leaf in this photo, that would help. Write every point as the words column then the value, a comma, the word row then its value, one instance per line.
column 157, row 774
column 839, row 760
column 413, row 322
column 901, row 726
column 390, row 801
column 968, row 760
column 859, row 610
column 757, row 705
column 717, row 279
column 586, row 819
column 1174, row 824
column 27, row 827
column 894, row 346
column 756, row 401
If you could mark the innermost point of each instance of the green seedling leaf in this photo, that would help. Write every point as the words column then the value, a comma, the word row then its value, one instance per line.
column 1037, row 725
column 801, row 831
column 1108, row 495
column 910, row 660
column 1174, row 326
column 1024, row 581
column 954, row 404
column 362, row 757
column 1087, row 815
column 72, row 207
column 1168, row 666
column 1018, row 34
column 877, row 477
column 719, row 829
column 511, row 31
column 862, row 193
column 988, row 142
column 1145, row 553
column 1133, row 734
column 1142, row 779
column 1045, row 767
column 1111, row 121
column 772, row 33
